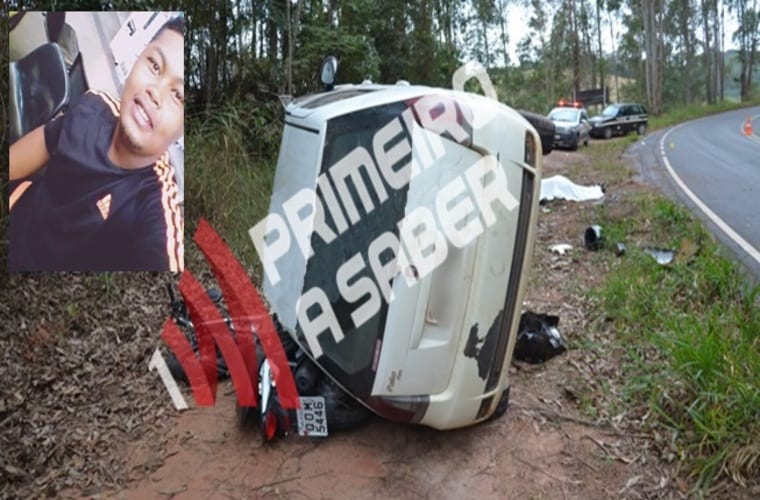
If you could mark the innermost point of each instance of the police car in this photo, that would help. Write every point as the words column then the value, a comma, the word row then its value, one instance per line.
column 398, row 243
column 620, row 119
column 572, row 125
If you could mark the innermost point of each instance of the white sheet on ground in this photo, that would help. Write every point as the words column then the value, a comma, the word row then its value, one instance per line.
column 561, row 187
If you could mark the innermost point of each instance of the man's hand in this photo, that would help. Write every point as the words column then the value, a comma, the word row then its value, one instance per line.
column 28, row 154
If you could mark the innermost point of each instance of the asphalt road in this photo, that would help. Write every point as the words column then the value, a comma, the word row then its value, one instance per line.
column 713, row 167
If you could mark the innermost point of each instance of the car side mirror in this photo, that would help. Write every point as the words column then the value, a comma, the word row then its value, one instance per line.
column 328, row 68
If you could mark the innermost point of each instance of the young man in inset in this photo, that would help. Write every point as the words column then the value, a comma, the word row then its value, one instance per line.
column 107, row 198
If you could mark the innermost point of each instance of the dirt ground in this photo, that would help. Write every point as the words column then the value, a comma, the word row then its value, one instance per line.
column 557, row 440
column 81, row 415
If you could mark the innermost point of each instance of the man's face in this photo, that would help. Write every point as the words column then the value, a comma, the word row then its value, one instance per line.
column 153, row 100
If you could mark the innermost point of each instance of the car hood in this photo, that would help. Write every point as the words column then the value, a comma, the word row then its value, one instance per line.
column 600, row 119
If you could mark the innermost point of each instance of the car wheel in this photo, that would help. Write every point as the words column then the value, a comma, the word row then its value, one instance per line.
column 641, row 129
column 502, row 405
column 607, row 133
column 343, row 411
column 574, row 145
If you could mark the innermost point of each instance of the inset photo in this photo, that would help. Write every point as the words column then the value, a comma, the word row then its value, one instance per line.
column 96, row 134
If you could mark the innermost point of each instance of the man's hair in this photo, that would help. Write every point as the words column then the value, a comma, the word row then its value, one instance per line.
column 175, row 24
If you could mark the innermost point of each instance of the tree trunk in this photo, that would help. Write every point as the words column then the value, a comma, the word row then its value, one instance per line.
column 487, row 62
column 652, row 13
column 614, row 57
column 599, row 42
column 289, row 20
column 576, row 48
column 272, row 33
column 708, row 68
column 686, row 41
column 504, row 37
column 717, row 47
column 749, row 25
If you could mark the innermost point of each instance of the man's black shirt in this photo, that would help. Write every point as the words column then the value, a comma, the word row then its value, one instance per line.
column 83, row 213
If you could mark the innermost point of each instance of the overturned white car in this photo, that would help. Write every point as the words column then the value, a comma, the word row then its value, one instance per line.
column 397, row 246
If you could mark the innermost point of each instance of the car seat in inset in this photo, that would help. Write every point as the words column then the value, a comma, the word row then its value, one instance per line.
column 39, row 89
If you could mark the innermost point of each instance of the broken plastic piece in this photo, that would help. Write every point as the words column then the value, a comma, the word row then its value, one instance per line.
column 662, row 256
column 561, row 187
column 538, row 339
column 593, row 237
column 620, row 249
column 561, row 248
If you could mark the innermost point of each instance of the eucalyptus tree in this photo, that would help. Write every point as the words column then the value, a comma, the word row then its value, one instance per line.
column 747, row 36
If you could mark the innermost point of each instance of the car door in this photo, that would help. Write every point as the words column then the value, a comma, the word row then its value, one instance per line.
column 624, row 117
column 585, row 127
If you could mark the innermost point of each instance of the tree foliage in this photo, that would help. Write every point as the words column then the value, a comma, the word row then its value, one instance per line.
column 252, row 51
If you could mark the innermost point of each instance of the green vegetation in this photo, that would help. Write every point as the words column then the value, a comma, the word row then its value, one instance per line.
column 691, row 330
column 694, row 333
column 692, row 111
column 229, row 181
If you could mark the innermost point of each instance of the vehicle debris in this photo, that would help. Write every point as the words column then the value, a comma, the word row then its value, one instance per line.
column 561, row 248
column 538, row 339
column 663, row 256
column 620, row 249
column 593, row 237
column 560, row 187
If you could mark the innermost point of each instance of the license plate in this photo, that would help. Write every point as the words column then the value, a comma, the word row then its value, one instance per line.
column 312, row 417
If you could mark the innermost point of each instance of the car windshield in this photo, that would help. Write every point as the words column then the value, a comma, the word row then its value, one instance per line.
column 564, row 115
column 610, row 111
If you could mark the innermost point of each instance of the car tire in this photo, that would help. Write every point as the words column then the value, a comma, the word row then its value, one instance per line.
column 607, row 132
column 641, row 129
column 343, row 411
column 502, row 405
column 574, row 146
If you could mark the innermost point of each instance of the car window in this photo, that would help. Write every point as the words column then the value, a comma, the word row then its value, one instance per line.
column 584, row 115
column 564, row 115
column 610, row 111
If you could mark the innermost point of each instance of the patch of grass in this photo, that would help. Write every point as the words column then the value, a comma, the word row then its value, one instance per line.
column 692, row 331
column 607, row 168
column 693, row 111
column 232, row 169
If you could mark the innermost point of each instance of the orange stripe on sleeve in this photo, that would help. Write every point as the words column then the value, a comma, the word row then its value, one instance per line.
column 172, row 215
column 113, row 103
column 16, row 194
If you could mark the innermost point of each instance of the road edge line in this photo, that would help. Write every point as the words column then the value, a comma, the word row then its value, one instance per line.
column 735, row 237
